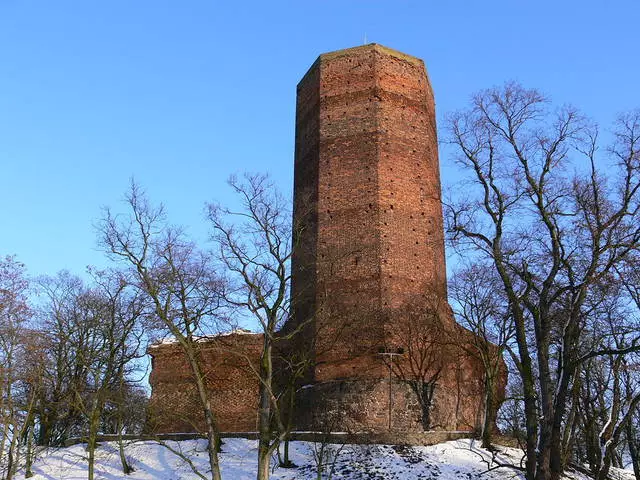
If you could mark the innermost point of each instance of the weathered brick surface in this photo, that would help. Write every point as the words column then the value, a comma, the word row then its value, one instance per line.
column 232, row 384
column 367, row 192
column 371, row 250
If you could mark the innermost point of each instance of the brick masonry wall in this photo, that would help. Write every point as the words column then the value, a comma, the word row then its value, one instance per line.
column 232, row 385
column 369, row 266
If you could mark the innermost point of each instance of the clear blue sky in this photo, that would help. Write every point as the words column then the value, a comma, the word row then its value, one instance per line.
column 180, row 94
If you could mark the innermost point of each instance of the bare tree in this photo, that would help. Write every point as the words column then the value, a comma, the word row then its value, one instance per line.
column 633, row 436
column 550, row 236
column 179, row 283
column 254, row 244
column 415, row 354
column 94, row 333
column 479, row 307
column 117, row 341
column 16, row 403
column 64, row 321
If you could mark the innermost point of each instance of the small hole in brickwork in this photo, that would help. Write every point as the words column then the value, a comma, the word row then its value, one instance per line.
column 417, row 243
column 371, row 205
column 422, row 214
column 391, row 206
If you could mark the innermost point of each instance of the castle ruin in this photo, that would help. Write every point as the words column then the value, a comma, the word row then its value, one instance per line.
column 369, row 290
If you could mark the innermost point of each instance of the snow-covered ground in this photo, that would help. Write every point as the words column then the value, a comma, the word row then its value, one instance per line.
column 461, row 459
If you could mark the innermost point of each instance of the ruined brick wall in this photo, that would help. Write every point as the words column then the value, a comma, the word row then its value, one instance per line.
column 233, row 387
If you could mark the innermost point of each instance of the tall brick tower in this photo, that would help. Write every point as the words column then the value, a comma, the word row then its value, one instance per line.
column 368, row 287
column 368, row 211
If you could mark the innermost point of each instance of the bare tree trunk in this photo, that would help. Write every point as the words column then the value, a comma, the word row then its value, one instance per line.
column 94, row 423
column 213, row 436
column 424, row 392
column 264, row 467
column 10, row 460
column 213, row 439
column 291, row 397
column 528, row 387
column 28, row 473
column 126, row 468
column 634, row 453
column 5, row 429
column 487, row 423
column 264, row 412
column 27, row 437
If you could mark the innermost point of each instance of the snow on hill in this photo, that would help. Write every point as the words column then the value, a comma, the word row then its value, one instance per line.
column 461, row 459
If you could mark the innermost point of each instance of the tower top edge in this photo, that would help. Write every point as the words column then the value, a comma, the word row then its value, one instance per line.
column 370, row 47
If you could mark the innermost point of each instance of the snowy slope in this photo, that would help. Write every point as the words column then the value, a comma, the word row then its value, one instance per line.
column 460, row 459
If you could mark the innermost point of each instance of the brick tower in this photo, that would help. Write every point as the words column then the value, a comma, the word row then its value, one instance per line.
column 370, row 251
column 368, row 270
